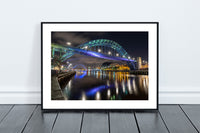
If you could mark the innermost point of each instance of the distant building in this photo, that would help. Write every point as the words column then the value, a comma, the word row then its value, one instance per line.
column 139, row 62
column 117, row 67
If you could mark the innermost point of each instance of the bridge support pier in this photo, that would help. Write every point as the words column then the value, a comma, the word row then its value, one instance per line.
column 131, row 65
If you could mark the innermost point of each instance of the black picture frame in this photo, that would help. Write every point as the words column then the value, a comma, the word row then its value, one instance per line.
column 80, row 109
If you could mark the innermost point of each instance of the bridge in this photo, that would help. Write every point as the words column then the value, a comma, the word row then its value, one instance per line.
column 79, row 65
column 101, row 48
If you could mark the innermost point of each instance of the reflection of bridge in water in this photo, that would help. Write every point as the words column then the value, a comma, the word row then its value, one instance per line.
column 107, row 86
column 101, row 48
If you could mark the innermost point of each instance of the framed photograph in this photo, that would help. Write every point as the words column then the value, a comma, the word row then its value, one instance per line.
column 99, row 65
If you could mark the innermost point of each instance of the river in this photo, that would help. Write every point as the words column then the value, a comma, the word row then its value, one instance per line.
column 104, row 85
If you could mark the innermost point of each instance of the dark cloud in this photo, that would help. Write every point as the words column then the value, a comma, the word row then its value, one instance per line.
column 74, row 37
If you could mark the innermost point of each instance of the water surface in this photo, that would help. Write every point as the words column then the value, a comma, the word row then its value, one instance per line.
column 104, row 85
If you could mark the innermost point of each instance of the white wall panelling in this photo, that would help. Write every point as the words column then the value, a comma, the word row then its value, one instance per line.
column 179, row 42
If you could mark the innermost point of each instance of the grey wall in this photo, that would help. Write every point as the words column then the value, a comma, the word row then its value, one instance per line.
column 20, row 40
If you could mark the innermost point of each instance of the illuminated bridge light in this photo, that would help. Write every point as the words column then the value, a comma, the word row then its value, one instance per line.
column 109, row 52
column 86, row 47
column 99, row 50
column 117, row 54
column 68, row 43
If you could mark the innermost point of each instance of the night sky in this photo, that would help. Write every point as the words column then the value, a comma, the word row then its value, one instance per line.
column 135, row 43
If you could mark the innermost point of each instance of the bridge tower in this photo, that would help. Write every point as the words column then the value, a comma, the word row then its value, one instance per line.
column 139, row 62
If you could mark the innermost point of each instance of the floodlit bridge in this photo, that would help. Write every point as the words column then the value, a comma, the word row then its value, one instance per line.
column 79, row 65
column 101, row 48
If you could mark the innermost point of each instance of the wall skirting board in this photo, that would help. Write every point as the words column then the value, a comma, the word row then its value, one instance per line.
column 166, row 96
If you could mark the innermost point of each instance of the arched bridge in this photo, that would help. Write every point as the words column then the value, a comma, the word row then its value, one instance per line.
column 79, row 66
column 101, row 48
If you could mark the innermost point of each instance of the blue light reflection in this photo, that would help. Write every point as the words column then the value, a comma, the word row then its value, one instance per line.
column 81, row 76
column 94, row 90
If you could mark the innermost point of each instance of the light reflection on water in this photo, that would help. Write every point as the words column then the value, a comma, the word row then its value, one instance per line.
column 104, row 85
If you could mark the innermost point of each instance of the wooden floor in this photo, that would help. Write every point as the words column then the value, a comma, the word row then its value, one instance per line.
column 169, row 118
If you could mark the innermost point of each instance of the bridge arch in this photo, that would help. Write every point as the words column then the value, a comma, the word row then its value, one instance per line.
column 107, row 64
column 79, row 65
column 96, row 44
column 102, row 43
column 105, row 43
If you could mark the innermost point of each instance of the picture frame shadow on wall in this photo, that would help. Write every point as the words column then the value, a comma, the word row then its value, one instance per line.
column 99, row 65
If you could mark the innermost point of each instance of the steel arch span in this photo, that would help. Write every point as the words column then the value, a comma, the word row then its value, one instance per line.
column 90, row 49
column 105, row 43
column 100, row 43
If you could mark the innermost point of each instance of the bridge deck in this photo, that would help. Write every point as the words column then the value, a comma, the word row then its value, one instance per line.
column 169, row 118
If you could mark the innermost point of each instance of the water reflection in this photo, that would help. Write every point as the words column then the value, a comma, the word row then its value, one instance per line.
column 98, row 96
column 103, row 85
column 83, row 96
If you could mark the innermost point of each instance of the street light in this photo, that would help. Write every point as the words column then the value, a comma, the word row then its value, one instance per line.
column 68, row 43
column 86, row 47
column 99, row 50
column 117, row 54
column 129, row 57
column 109, row 52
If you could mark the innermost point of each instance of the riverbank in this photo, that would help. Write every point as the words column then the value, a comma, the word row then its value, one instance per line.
column 135, row 72
column 139, row 72
column 58, row 80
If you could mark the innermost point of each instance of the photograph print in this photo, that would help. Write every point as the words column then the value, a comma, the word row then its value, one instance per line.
column 99, row 65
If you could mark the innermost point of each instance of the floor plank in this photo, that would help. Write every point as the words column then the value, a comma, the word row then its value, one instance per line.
column 68, row 122
column 150, row 122
column 17, row 118
column 122, row 121
column 193, row 112
column 30, row 119
column 175, row 119
column 4, row 110
column 40, row 122
column 94, row 122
